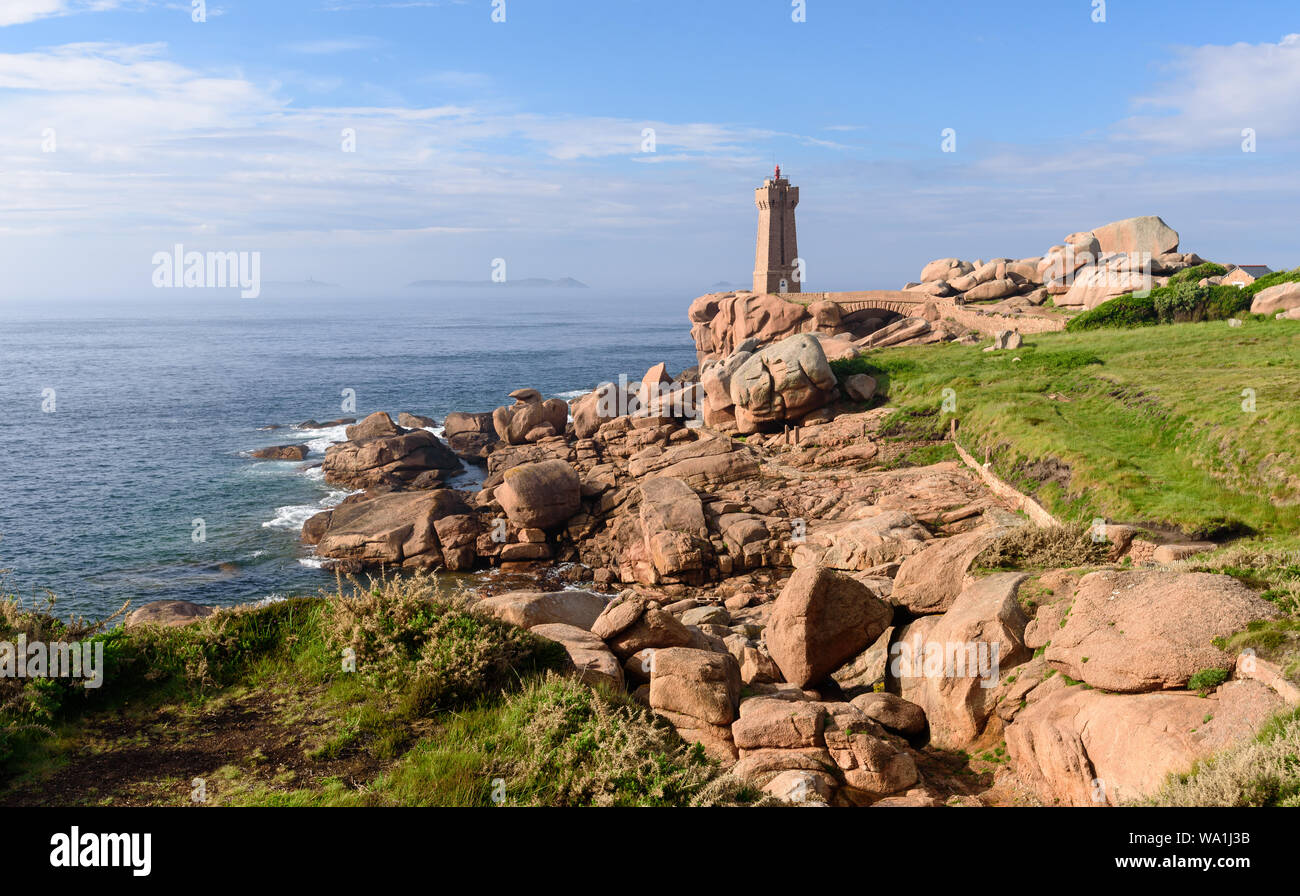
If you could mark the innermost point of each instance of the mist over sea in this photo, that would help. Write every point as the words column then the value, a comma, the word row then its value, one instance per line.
column 156, row 403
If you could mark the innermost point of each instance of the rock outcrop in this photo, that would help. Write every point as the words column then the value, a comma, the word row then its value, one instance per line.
column 783, row 382
column 950, row 665
column 1083, row 271
column 930, row 579
column 1276, row 299
column 527, row 609
column 796, row 602
column 470, row 436
column 1151, row 630
column 379, row 452
column 530, row 418
column 167, row 614
column 391, row 528
column 281, row 452
column 592, row 660
column 821, row 619
column 1088, row 748
column 540, row 495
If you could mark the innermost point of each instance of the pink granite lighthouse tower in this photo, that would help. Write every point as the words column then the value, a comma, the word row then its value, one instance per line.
column 776, row 254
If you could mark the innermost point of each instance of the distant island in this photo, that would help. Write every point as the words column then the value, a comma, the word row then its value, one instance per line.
column 310, row 281
column 298, row 284
column 562, row 283
column 727, row 286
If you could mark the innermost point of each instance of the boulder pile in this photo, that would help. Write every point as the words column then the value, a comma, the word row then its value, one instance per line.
column 812, row 617
column 725, row 324
column 381, row 453
column 783, row 383
column 1084, row 270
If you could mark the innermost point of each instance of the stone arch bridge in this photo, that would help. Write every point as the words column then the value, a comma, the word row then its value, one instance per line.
column 907, row 304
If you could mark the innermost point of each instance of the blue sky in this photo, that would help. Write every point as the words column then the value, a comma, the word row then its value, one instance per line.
column 523, row 139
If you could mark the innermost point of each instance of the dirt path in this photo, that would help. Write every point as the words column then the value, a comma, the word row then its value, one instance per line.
column 152, row 756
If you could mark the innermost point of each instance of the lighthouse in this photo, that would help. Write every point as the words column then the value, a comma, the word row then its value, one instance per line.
column 776, row 255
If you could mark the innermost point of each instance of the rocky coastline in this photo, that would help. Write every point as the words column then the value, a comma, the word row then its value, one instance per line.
column 740, row 549
column 746, row 548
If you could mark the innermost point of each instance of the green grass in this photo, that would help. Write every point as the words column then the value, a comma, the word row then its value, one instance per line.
column 444, row 707
column 1125, row 425
column 922, row 456
column 555, row 742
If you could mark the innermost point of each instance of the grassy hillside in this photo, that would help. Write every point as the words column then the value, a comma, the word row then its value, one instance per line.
column 1141, row 425
column 445, row 707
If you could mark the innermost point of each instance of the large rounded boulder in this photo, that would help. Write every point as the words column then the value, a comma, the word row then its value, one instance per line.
column 822, row 619
column 782, row 382
column 540, row 495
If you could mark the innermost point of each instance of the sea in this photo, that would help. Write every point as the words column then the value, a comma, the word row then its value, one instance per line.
column 126, row 425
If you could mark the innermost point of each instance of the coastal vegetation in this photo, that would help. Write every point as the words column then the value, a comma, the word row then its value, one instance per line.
column 1181, row 300
column 391, row 692
column 1261, row 772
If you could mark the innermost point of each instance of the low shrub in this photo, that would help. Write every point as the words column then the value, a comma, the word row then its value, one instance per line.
column 1198, row 273
column 1181, row 302
column 1035, row 547
column 1207, row 680
column 577, row 747
column 1261, row 772
column 1123, row 311
column 432, row 649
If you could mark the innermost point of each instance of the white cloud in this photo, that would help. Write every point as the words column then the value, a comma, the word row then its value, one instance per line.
column 147, row 144
column 18, row 12
column 327, row 47
column 1215, row 91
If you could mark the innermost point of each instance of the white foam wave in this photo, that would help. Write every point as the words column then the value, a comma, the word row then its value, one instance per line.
column 329, row 436
column 312, row 562
column 273, row 598
column 573, row 393
column 292, row 516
